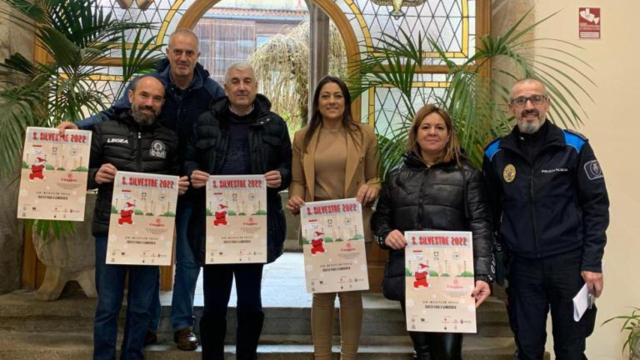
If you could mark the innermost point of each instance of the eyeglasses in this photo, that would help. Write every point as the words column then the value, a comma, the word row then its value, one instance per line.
column 535, row 100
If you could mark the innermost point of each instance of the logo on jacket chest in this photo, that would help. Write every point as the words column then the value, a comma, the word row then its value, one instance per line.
column 158, row 149
column 509, row 173
column 117, row 140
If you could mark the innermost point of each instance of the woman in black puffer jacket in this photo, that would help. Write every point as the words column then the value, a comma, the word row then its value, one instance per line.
column 435, row 189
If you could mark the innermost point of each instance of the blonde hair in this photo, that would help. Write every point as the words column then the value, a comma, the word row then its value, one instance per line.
column 452, row 151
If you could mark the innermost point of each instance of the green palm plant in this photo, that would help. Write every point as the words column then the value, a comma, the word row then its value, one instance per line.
column 75, row 35
column 630, row 325
column 476, row 102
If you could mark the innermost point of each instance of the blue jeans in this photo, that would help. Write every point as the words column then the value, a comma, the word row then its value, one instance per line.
column 110, row 282
column 186, row 276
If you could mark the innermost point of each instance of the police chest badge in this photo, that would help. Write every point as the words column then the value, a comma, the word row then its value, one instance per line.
column 509, row 173
column 158, row 149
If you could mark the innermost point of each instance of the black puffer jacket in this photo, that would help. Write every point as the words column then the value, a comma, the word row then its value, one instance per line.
column 269, row 148
column 129, row 147
column 442, row 197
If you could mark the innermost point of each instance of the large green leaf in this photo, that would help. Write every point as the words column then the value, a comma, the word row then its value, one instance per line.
column 75, row 35
column 476, row 104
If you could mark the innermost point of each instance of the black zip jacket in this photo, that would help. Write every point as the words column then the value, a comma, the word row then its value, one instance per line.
column 552, row 204
column 269, row 149
column 445, row 196
column 180, row 110
column 128, row 146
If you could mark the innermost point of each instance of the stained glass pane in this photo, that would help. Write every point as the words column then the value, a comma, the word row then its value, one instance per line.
column 451, row 22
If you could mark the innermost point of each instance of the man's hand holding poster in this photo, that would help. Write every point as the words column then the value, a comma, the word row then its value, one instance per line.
column 236, row 219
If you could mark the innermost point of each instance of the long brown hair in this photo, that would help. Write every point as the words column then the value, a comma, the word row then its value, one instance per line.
column 452, row 151
column 316, row 118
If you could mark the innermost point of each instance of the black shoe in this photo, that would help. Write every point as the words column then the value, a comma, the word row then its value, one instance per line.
column 150, row 338
column 185, row 339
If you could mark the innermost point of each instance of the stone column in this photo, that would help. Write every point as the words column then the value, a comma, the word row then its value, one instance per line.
column 318, row 48
column 505, row 13
column 13, row 39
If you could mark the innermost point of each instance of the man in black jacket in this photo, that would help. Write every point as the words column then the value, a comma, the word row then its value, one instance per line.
column 239, row 135
column 131, row 140
column 189, row 93
column 551, row 205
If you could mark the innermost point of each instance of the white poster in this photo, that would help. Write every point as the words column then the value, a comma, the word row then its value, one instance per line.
column 55, row 168
column 236, row 219
column 439, row 280
column 143, row 217
column 333, row 244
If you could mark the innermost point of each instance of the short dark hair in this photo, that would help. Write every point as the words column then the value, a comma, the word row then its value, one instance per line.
column 134, row 82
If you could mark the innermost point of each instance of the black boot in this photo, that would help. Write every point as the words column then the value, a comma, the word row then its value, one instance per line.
column 421, row 345
column 248, row 334
column 212, row 333
column 446, row 346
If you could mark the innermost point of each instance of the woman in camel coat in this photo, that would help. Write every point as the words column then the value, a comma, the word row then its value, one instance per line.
column 335, row 158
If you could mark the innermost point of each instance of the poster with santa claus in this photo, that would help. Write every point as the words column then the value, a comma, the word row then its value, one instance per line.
column 236, row 209
column 333, row 246
column 143, row 214
column 439, row 280
column 55, row 168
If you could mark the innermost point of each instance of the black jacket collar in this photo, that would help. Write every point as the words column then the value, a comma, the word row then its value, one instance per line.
column 262, row 107
column 554, row 137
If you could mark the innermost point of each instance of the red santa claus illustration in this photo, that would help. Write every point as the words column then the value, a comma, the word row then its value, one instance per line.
column 421, row 276
column 317, row 243
column 126, row 213
column 37, row 166
column 220, row 216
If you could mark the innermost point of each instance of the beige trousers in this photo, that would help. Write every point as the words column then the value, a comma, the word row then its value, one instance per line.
column 322, row 314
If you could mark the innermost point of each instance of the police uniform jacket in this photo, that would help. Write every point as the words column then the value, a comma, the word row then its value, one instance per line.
column 128, row 146
column 555, row 203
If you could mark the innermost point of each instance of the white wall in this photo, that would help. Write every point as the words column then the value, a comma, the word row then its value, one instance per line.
column 613, row 128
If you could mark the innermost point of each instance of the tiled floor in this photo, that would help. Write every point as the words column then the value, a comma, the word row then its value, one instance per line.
column 283, row 285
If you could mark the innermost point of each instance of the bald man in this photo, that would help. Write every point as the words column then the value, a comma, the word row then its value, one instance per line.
column 155, row 151
column 189, row 92
column 551, row 210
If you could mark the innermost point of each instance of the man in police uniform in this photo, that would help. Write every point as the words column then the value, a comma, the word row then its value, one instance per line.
column 551, row 210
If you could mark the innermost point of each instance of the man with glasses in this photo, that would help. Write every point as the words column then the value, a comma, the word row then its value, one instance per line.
column 551, row 211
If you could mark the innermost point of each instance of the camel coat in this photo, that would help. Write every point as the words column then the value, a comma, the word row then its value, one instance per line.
column 361, row 168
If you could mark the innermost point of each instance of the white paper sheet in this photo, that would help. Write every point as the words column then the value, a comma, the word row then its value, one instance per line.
column 580, row 303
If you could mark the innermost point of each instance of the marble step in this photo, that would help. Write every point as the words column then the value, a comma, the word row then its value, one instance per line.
column 16, row 345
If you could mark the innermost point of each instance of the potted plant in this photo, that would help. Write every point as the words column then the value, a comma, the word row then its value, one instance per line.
column 630, row 325
column 74, row 35
column 474, row 98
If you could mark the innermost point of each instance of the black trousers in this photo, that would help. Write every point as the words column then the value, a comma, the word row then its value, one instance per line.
column 537, row 286
column 435, row 346
column 217, row 283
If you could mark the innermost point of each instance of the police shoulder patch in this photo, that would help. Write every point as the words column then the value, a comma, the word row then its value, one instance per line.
column 593, row 170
